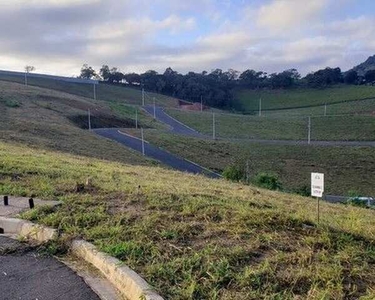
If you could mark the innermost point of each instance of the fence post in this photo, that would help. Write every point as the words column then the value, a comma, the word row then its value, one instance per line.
column 143, row 142
column 309, row 131
column 89, row 117
column 213, row 127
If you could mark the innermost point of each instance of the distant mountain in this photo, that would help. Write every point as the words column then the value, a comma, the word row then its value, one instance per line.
column 362, row 68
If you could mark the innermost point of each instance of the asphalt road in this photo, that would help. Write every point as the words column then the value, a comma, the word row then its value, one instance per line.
column 179, row 128
column 154, row 152
column 176, row 126
column 26, row 275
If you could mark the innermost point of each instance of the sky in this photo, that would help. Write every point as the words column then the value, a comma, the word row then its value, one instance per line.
column 59, row 36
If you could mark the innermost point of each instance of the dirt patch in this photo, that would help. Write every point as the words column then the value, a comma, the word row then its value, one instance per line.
column 101, row 121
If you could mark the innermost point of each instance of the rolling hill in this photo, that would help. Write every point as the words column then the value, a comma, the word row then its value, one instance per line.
column 191, row 237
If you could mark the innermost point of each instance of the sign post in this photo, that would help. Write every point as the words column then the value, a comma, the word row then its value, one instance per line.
column 317, row 188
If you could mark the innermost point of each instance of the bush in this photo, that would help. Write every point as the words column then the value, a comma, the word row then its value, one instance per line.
column 268, row 181
column 234, row 173
column 304, row 191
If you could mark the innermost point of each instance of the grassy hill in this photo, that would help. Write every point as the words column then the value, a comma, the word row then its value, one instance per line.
column 357, row 127
column 201, row 238
column 189, row 236
column 47, row 119
column 104, row 92
column 346, row 169
column 248, row 100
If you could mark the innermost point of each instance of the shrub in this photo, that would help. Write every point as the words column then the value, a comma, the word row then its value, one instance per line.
column 268, row 181
column 234, row 173
column 303, row 191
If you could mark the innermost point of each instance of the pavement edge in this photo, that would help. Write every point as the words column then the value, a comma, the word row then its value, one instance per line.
column 128, row 282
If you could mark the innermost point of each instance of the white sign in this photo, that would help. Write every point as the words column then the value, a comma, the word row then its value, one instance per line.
column 317, row 184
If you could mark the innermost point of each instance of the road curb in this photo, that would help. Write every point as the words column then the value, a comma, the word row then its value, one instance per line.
column 128, row 282
column 28, row 229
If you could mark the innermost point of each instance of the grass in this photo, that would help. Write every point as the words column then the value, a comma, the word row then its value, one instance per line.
column 360, row 107
column 104, row 92
column 248, row 100
column 331, row 128
column 201, row 238
column 345, row 168
column 43, row 120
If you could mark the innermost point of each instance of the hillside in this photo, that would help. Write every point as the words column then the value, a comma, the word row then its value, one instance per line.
column 105, row 92
column 248, row 100
column 202, row 238
column 47, row 119
column 368, row 65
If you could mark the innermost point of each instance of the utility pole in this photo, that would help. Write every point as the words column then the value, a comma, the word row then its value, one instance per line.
column 136, row 118
column 143, row 96
column 26, row 78
column 309, row 131
column 325, row 109
column 89, row 115
column 143, row 142
column 260, row 107
column 154, row 108
column 201, row 103
column 213, row 127
column 94, row 91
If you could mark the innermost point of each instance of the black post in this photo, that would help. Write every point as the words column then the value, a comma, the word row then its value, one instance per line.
column 31, row 203
column 6, row 201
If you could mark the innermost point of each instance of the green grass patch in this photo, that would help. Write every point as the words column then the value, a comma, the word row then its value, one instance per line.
column 232, row 126
column 248, row 100
column 346, row 168
column 201, row 238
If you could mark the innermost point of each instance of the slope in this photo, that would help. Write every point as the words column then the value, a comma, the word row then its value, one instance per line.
column 197, row 238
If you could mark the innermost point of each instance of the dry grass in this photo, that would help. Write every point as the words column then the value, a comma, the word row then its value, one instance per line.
column 42, row 120
column 198, row 238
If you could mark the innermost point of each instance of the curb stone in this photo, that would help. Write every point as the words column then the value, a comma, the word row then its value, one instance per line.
column 127, row 281
column 27, row 229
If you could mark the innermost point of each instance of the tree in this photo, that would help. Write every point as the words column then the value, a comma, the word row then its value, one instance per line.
column 87, row 72
column 322, row 78
column 351, row 77
column 28, row 69
column 105, row 72
column 370, row 76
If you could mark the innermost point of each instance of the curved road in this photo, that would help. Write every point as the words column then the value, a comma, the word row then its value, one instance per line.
column 182, row 129
column 179, row 128
column 154, row 152
column 176, row 126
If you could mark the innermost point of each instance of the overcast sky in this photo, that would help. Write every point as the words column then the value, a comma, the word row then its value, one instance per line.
column 58, row 36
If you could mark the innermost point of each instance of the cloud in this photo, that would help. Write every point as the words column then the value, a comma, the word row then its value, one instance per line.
column 59, row 36
column 281, row 15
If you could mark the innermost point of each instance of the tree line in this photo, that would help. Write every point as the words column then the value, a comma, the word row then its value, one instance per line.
column 216, row 87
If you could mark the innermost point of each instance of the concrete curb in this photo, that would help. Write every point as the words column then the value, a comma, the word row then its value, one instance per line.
column 27, row 229
column 128, row 282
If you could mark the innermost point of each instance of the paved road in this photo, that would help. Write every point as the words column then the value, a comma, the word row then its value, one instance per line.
column 26, row 275
column 180, row 128
column 176, row 126
column 154, row 152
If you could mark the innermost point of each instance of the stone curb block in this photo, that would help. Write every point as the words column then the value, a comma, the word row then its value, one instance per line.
column 128, row 282
column 28, row 229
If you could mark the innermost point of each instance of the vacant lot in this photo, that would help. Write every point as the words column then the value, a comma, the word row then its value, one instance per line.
column 47, row 119
column 333, row 128
column 346, row 168
column 104, row 92
column 201, row 238
column 248, row 100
